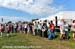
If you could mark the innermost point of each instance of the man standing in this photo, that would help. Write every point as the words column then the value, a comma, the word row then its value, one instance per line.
column 66, row 29
column 25, row 28
column 39, row 29
column 44, row 29
column 35, row 28
column 51, row 27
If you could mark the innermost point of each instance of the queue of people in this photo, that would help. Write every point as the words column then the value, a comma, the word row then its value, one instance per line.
column 38, row 29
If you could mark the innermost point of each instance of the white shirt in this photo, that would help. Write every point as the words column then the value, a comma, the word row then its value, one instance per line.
column 39, row 26
column 15, row 26
column 66, row 27
column 25, row 25
column 61, row 25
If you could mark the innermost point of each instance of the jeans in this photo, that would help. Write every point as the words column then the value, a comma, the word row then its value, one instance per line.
column 51, row 34
column 66, row 34
column 14, row 30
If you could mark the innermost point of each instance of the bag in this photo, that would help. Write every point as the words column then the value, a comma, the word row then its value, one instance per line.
column 72, row 29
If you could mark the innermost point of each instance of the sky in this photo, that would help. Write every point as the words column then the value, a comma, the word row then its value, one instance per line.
column 26, row 10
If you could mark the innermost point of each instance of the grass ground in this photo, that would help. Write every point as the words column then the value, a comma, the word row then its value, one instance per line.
column 20, row 39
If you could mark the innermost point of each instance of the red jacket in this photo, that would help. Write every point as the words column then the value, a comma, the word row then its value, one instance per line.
column 51, row 26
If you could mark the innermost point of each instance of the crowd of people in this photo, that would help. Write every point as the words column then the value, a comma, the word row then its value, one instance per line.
column 38, row 29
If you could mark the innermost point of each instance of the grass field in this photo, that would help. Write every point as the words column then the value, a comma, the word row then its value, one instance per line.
column 20, row 39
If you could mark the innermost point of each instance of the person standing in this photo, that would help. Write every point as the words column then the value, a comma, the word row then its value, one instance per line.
column 25, row 28
column 44, row 29
column 30, row 26
column 52, row 27
column 73, row 29
column 35, row 28
column 0, row 30
column 39, row 29
column 62, row 33
column 66, row 29
column 19, row 27
column 14, row 27
column 7, row 29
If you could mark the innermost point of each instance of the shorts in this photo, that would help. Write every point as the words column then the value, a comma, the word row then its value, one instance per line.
column 73, row 31
column 62, row 32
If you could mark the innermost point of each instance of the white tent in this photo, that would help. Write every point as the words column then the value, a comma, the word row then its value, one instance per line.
column 63, row 15
column 67, row 15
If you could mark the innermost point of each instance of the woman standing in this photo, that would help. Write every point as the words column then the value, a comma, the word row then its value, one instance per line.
column 73, row 29
column 62, row 33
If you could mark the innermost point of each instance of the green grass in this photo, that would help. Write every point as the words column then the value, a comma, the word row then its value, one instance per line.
column 14, row 40
column 21, row 39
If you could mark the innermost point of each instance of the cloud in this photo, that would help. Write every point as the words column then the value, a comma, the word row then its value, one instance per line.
column 37, row 7
column 12, row 18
